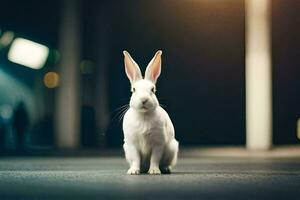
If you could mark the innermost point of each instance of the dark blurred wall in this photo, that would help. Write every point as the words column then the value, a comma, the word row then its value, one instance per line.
column 286, row 70
column 32, row 19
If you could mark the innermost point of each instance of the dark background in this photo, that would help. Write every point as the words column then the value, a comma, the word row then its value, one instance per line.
column 286, row 71
column 202, row 83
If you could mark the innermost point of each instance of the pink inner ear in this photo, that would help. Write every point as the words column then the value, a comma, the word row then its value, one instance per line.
column 129, row 70
column 155, row 73
column 156, row 70
column 130, row 73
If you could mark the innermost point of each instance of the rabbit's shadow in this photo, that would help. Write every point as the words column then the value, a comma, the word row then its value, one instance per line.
column 177, row 173
column 186, row 173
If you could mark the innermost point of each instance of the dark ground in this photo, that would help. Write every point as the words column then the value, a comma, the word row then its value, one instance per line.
column 105, row 178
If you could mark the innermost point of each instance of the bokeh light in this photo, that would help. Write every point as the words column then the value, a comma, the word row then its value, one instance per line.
column 28, row 53
column 86, row 67
column 6, row 38
column 6, row 111
column 51, row 80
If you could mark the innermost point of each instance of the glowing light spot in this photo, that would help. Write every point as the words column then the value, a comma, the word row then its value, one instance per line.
column 6, row 38
column 86, row 67
column 28, row 53
column 51, row 80
column 6, row 111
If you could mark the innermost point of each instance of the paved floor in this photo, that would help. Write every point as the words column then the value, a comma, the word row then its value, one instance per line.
column 105, row 178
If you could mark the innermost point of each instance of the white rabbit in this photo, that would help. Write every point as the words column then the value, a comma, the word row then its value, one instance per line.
column 149, row 136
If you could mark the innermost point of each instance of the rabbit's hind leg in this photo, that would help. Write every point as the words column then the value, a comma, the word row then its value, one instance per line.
column 169, row 158
column 145, row 163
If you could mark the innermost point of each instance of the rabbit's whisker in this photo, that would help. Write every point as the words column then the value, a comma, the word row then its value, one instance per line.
column 120, row 111
column 122, row 114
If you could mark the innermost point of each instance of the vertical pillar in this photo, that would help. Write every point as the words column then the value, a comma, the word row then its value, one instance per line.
column 258, row 75
column 101, row 49
column 67, row 108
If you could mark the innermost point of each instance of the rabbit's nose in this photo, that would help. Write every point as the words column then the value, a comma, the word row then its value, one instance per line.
column 144, row 101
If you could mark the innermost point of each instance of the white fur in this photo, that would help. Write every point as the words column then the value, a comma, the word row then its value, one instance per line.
column 149, row 136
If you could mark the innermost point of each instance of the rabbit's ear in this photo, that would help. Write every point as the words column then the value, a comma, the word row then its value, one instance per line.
column 132, row 69
column 154, row 67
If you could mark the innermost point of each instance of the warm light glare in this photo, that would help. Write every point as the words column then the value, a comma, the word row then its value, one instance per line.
column 51, row 80
column 28, row 53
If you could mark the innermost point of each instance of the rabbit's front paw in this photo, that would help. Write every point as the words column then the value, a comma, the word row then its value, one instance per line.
column 133, row 171
column 154, row 171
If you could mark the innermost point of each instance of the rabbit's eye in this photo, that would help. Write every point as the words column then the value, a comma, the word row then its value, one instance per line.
column 153, row 90
column 133, row 89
